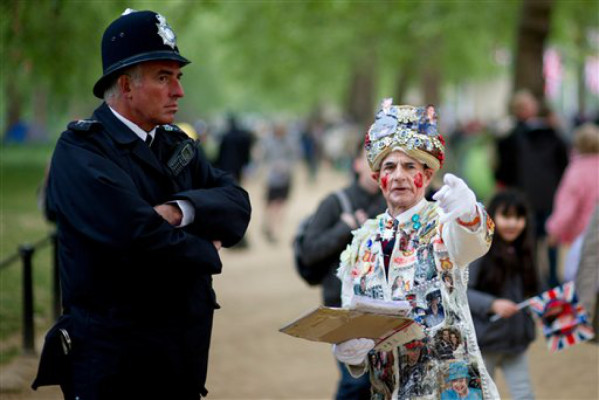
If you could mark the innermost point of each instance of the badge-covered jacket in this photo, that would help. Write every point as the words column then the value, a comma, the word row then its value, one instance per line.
column 427, row 267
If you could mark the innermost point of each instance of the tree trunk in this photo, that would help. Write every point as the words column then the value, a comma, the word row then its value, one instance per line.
column 13, row 98
column 13, row 104
column 431, row 84
column 533, row 29
column 361, row 102
column 581, row 50
column 39, row 129
column 402, row 83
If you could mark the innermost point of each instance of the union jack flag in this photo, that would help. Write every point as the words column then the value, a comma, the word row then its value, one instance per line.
column 564, row 320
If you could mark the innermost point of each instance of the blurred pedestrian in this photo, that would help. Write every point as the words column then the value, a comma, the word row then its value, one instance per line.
column 280, row 153
column 141, row 217
column 417, row 240
column 498, row 281
column 587, row 274
column 310, row 140
column 533, row 158
column 235, row 149
column 576, row 197
column 329, row 234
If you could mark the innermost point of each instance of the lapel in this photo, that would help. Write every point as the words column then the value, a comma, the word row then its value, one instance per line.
column 128, row 140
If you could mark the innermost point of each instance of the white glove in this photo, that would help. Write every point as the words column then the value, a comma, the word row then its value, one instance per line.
column 456, row 200
column 353, row 351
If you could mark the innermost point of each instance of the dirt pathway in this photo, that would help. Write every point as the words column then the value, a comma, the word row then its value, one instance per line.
column 259, row 292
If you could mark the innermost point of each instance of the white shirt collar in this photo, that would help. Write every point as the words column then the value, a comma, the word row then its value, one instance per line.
column 408, row 214
column 134, row 127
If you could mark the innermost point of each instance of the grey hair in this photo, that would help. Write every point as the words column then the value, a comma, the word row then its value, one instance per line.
column 112, row 91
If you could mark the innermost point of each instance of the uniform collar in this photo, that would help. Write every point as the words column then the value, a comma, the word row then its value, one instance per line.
column 133, row 126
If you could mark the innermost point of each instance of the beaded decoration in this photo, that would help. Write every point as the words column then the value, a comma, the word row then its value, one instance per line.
column 412, row 129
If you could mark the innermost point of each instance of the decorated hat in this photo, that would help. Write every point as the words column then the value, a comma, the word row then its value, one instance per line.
column 457, row 370
column 410, row 129
column 134, row 37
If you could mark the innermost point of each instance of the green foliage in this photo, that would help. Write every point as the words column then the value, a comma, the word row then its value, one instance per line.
column 21, row 173
column 573, row 26
column 272, row 55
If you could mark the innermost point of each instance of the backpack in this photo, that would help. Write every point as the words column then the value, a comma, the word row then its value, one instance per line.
column 314, row 274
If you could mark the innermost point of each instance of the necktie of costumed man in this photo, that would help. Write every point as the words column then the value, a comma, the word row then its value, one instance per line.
column 149, row 140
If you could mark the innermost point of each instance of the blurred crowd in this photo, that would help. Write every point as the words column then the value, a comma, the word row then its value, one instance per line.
column 552, row 161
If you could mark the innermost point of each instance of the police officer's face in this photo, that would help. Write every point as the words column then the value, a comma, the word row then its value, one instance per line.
column 153, row 98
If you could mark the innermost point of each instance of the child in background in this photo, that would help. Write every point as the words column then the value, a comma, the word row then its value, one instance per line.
column 500, row 280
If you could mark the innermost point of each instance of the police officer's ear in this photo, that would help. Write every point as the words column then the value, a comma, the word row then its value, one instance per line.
column 125, row 84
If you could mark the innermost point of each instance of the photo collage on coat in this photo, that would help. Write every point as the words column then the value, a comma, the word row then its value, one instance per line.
column 437, row 365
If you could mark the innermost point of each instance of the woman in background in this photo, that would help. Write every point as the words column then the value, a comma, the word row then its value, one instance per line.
column 500, row 280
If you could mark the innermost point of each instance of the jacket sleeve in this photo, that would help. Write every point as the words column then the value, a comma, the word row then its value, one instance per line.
column 465, row 244
column 505, row 171
column 480, row 302
column 565, row 208
column 326, row 236
column 222, row 208
column 96, row 198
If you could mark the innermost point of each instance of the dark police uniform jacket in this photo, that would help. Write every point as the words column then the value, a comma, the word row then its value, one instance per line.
column 138, row 290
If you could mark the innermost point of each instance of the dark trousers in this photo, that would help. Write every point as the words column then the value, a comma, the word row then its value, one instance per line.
column 351, row 388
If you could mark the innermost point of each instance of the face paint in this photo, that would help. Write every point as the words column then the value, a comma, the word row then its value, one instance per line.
column 384, row 181
column 418, row 180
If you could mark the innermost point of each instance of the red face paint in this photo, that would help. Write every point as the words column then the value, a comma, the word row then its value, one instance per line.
column 418, row 180
column 384, row 181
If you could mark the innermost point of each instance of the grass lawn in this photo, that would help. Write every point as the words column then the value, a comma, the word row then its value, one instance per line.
column 21, row 173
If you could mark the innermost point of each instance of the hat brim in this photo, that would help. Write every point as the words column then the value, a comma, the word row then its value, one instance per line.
column 100, row 85
column 422, row 156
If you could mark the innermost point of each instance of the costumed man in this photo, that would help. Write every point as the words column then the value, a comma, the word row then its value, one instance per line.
column 141, row 217
column 419, row 241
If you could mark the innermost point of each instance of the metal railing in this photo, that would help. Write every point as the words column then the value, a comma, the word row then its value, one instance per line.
column 25, row 253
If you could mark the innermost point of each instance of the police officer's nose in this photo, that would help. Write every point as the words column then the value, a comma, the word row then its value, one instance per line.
column 177, row 89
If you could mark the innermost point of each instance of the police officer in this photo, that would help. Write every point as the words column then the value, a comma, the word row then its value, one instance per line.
column 141, row 217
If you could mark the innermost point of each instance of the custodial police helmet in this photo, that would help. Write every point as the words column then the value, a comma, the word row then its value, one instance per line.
column 134, row 37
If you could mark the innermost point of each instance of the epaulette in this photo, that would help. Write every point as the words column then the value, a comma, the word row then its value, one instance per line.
column 83, row 125
column 172, row 128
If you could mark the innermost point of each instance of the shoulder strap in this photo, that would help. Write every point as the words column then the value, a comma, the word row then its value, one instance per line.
column 344, row 200
column 83, row 125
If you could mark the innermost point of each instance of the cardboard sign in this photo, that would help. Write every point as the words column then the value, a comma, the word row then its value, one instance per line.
column 337, row 325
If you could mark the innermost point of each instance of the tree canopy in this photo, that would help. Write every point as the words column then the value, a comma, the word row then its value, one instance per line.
column 275, row 56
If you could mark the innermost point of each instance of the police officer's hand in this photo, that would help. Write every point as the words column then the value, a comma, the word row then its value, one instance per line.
column 217, row 244
column 170, row 212
column 353, row 351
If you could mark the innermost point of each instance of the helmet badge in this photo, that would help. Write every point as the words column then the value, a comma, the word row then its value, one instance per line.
column 166, row 32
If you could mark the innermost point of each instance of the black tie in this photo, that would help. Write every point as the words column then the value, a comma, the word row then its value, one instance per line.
column 149, row 140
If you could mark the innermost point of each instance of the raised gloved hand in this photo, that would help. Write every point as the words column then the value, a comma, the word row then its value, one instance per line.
column 353, row 351
column 456, row 199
